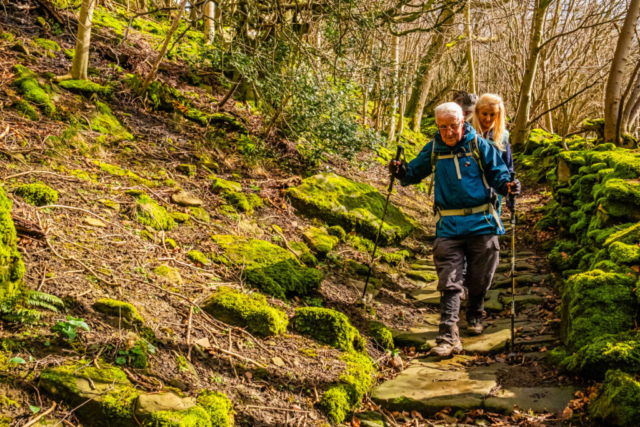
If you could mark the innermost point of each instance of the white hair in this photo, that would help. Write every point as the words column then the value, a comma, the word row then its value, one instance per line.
column 449, row 109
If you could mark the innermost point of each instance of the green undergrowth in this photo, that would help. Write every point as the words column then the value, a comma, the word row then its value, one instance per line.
column 118, row 171
column 246, row 311
column 149, row 212
column 37, row 194
column 29, row 87
column 328, row 327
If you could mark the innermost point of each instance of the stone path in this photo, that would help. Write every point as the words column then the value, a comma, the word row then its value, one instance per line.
column 431, row 384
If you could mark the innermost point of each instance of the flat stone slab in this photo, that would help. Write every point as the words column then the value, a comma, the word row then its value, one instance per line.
column 536, row 399
column 423, row 267
column 423, row 275
column 522, row 279
column 430, row 385
column 493, row 339
column 537, row 339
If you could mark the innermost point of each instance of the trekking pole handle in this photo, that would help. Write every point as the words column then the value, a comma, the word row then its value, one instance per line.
column 512, row 197
column 399, row 155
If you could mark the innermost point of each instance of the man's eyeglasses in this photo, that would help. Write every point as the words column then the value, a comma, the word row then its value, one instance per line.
column 451, row 128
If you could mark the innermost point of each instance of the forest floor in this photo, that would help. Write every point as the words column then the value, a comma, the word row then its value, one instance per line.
column 94, row 248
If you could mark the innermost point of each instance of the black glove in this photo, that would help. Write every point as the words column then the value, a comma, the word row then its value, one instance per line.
column 397, row 169
column 511, row 188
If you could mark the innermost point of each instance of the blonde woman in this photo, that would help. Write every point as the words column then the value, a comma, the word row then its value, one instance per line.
column 489, row 120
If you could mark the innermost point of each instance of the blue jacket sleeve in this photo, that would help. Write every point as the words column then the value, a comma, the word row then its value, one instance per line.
column 495, row 170
column 418, row 168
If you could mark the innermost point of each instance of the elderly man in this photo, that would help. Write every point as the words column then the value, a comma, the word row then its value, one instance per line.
column 465, row 167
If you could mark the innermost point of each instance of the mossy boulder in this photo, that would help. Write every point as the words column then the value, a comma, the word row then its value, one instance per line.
column 242, row 202
column 597, row 303
column 352, row 205
column 303, row 253
column 118, row 171
column 618, row 401
column 200, row 214
column 328, row 327
column 355, row 382
column 37, row 194
column 115, row 308
column 86, row 88
column 179, row 217
column 198, row 257
column 103, row 121
column 26, row 110
column 149, row 212
column 168, row 275
column 270, row 268
column 28, row 86
column 382, row 335
column 337, row 231
column 319, row 240
column 48, row 45
column 622, row 253
column 220, row 186
column 11, row 265
column 246, row 311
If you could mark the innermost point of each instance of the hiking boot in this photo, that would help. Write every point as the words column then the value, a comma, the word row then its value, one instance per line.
column 475, row 327
column 445, row 349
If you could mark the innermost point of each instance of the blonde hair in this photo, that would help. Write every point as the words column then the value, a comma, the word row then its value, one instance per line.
column 498, row 125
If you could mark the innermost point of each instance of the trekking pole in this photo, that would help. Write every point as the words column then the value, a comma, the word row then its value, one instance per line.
column 512, row 199
column 399, row 153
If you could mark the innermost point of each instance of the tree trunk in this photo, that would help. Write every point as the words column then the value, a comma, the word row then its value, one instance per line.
column 524, row 104
column 630, row 102
column 427, row 71
column 395, row 52
column 467, row 30
column 83, row 43
column 154, row 68
column 613, row 91
column 209, row 22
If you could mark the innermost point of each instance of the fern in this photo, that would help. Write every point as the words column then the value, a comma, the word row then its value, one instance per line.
column 44, row 300
column 23, row 315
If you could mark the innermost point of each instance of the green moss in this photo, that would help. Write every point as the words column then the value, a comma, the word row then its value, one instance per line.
column 8, row 37
column 598, row 303
column 26, row 110
column 86, row 88
column 319, row 240
column 47, row 44
column 363, row 244
column 302, row 251
column 270, row 268
column 179, row 217
column 337, row 231
column 200, row 214
column 621, row 351
column 328, row 327
column 239, row 201
column 218, row 407
column 69, row 53
column 629, row 235
column 171, row 244
column 192, row 417
column 229, row 212
column 561, row 257
column 336, row 404
column 149, row 212
column 624, row 254
column 618, row 401
column 198, row 257
column 105, row 122
column 118, row 407
column 189, row 170
column 118, row 171
column 381, row 334
column 352, row 205
column 116, row 308
column 28, row 86
column 11, row 266
column 250, row 311
column 219, row 186
column 168, row 274
column 37, row 194
column 395, row 258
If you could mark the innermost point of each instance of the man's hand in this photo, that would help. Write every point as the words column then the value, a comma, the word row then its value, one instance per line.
column 512, row 188
column 397, row 169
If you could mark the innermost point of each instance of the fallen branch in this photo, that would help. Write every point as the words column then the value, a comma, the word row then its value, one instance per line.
column 230, row 353
column 45, row 413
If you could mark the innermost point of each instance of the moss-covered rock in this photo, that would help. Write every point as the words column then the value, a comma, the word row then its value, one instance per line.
column 115, row 308
column 303, row 253
column 319, row 240
column 86, row 88
column 352, row 205
column 268, row 267
column 168, row 275
column 598, row 303
column 200, row 214
column 337, row 231
column 618, row 401
column 198, row 257
column 37, row 194
column 28, row 86
column 179, row 217
column 219, row 186
column 247, row 311
column 11, row 266
column 382, row 335
column 149, row 212
column 48, row 45
column 26, row 110
column 118, row 171
column 624, row 254
column 105, row 122
column 328, row 327
column 242, row 202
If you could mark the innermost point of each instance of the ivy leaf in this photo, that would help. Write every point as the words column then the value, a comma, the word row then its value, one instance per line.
column 17, row 361
column 34, row 409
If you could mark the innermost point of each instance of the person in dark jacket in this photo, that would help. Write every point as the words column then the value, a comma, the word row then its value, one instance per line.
column 465, row 169
column 489, row 120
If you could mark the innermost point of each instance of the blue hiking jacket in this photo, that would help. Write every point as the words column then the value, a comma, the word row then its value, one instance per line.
column 468, row 192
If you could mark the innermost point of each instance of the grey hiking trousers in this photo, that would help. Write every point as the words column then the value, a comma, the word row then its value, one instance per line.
column 482, row 254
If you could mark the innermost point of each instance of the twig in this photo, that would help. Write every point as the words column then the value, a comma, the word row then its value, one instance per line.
column 45, row 413
column 277, row 409
column 286, row 243
column 82, row 404
column 230, row 353
column 189, row 333
column 44, row 278
column 6, row 131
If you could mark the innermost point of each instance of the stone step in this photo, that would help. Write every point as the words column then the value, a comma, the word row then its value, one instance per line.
column 523, row 279
column 423, row 267
column 431, row 384
column 494, row 338
column 422, row 275
column 520, row 266
column 506, row 253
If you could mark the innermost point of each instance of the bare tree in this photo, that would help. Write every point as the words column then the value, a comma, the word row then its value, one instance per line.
column 80, row 63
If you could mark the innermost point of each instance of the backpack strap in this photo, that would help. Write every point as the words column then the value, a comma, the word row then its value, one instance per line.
column 476, row 154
